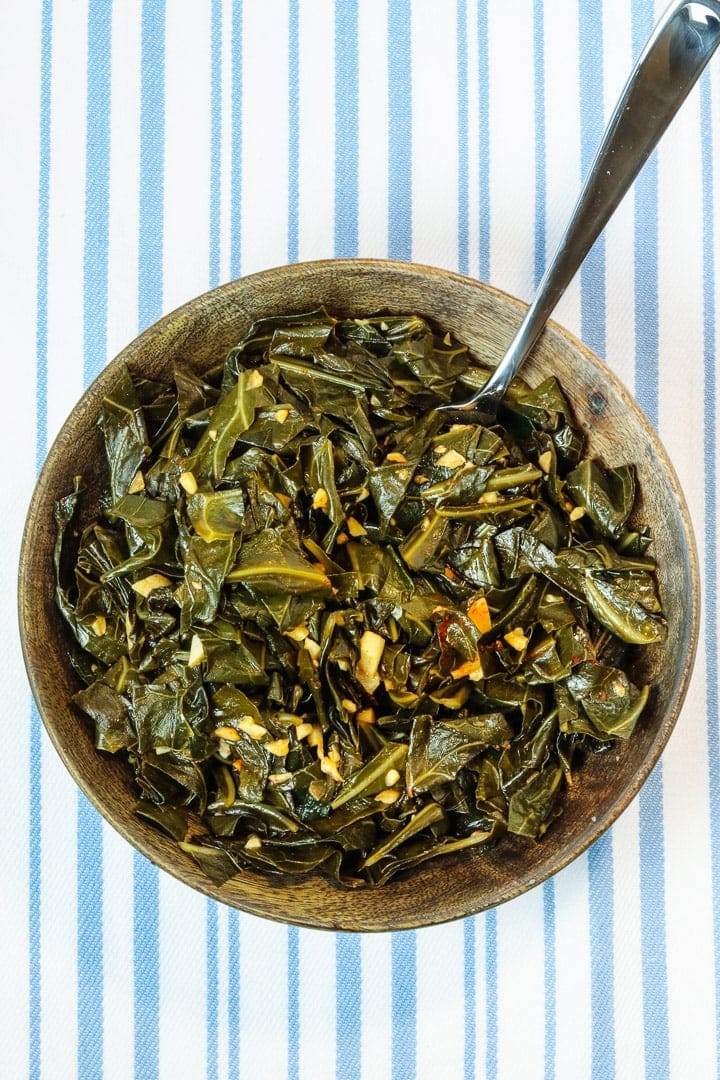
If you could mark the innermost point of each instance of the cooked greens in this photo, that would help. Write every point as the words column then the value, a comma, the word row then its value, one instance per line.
column 332, row 631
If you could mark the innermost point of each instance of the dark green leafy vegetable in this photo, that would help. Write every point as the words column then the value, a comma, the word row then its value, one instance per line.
column 331, row 634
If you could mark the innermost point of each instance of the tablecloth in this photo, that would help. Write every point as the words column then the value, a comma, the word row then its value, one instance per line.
column 154, row 149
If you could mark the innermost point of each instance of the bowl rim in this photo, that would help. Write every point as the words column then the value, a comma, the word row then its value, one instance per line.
column 523, row 882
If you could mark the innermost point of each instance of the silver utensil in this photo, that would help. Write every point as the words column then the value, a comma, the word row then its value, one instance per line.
column 676, row 53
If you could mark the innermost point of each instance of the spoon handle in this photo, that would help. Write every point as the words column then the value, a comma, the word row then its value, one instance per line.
column 675, row 55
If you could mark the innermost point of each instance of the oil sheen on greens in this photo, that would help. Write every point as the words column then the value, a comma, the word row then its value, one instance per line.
column 334, row 632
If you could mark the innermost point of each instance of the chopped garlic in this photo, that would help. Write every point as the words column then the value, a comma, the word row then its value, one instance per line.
column 188, row 483
column 355, row 528
column 251, row 727
column 391, row 777
column 212, row 435
column 366, row 716
column 298, row 633
column 388, row 796
column 255, row 379
column 253, row 843
column 321, row 499
column 577, row 513
column 279, row 747
column 516, row 639
column 315, row 738
column 334, row 755
column 545, row 461
column 148, row 584
column 279, row 777
column 303, row 730
column 489, row 497
column 281, row 415
column 372, row 646
column 313, row 648
column 99, row 625
column 329, row 767
column 227, row 733
column 349, row 706
column 396, row 458
column 197, row 652
column 138, row 483
column 451, row 460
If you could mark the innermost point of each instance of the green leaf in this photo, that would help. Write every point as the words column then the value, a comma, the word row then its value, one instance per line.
column 123, row 427
column 439, row 750
column 271, row 564
column 607, row 496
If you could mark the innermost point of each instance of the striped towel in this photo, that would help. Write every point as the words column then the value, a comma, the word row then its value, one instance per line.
column 152, row 150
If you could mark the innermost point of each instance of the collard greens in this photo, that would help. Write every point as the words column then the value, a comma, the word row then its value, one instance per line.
column 331, row 631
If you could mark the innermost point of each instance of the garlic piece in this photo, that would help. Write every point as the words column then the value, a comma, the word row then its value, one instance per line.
column 372, row 646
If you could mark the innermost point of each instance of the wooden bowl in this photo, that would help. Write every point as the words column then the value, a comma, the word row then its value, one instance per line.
column 616, row 431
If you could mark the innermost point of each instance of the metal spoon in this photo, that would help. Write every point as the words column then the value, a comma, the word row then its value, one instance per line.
column 675, row 55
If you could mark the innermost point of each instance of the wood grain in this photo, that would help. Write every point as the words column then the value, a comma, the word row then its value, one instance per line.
column 616, row 430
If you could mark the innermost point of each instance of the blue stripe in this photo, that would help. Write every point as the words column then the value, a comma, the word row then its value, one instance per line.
column 592, row 286
column 150, row 301
column 236, row 156
column 233, row 996
column 484, row 143
column 348, row 1005
column 491, row 996
column 469, row 999
column 710, row 560
column 293, row 990
column 293, row 130
column 41, row 394
column 550, row 978
column 651, row 812
column 216, row 38
column 211, row 933
column 602, row 968
column 399, row 130
column 146, row 967
column 462, row 140
column 346, row 129
column 404, row 1027
column 90, row 972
